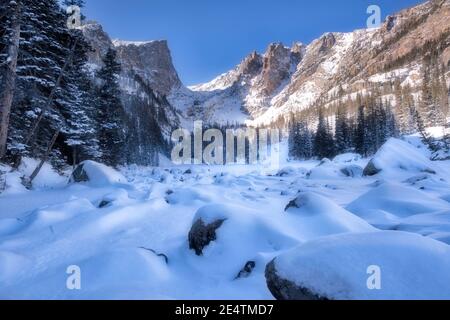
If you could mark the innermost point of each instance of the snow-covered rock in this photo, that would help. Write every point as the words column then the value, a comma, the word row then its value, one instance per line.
column 396, row 156
column 318, row 216
column 206, row 223
column 352, row 171
column 340, row 267
column 96, row 174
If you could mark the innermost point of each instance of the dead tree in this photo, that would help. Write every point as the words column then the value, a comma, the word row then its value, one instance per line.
column 7, row 92
column 27, row 182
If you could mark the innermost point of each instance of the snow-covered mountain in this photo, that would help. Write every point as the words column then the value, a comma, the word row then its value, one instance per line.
column 290, row 80
column 265, row 88
column 147, row 77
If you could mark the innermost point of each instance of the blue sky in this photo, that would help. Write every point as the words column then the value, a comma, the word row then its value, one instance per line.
column 209, row 37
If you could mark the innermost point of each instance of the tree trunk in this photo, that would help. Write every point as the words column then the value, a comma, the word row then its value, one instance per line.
column 44, row 158
column 7, row 94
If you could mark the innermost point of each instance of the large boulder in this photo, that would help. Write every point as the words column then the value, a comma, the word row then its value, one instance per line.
column 314, row 215
column 383, row 265
column 397, row 156
column 283, row 289
column 96, row 174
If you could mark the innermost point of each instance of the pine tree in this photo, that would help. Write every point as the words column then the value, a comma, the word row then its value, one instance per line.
column 304, row 141
column 323, row 140
column 429, row 108
column 360, row 133
column 401, row 109
column 342, row 130
column 111, row 118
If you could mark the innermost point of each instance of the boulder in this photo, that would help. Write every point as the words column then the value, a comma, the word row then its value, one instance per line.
column 247, row 270
column 381, row 265
column 371, row 170
column 96, row 174
column 352, row 171
column 202, row 234
column 398, row 156
column 283, row 289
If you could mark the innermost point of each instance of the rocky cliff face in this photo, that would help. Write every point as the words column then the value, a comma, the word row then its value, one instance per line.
column 147, row 77
column 152, row 61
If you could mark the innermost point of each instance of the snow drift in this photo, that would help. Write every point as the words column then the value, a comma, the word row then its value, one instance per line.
column 399, row 156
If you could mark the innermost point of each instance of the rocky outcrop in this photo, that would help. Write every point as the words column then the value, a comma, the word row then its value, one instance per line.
column 278, row 64
column 283, row 289
column 152, row 61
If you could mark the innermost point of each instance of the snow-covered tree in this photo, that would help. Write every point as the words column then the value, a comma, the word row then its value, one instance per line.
column 110, row 117
column 323, row 140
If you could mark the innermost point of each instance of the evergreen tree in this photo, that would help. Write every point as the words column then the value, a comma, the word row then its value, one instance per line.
column 429, row 108
column 44, row 82
column 323, row 140
column 111, row 118
column 304, row 141
column 360, row 133
column 342, row 130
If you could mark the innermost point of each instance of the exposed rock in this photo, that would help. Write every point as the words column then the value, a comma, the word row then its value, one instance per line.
column 277, row 66
column 328, row 41
column 390, row 22
column 201, row 235
column 371, row 170
column 104, row 204
column 292, row 204
column 352, row 171
column 79, row 175
column 247, row 270
column 151, row 60
column 283, row 289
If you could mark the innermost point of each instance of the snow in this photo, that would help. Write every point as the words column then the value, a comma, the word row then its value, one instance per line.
column 100, row 175
column 120, row 227
column 398, row 156
column 386, row 204
column 411, row 267
column 318, row 216
column 119, row 43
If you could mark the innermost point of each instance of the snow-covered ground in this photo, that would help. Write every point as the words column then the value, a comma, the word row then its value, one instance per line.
column 128, row 231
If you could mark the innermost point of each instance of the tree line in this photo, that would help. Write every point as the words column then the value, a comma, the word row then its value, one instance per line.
column 364, row 124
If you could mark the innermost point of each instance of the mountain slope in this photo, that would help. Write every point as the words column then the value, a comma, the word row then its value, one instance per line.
column 319, row 70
